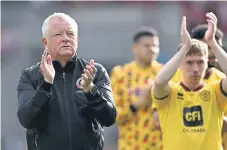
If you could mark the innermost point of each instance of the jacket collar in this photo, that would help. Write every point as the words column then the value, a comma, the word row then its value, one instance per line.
column 69, row 67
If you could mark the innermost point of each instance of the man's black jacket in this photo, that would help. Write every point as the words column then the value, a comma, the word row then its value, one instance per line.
column 61, row 116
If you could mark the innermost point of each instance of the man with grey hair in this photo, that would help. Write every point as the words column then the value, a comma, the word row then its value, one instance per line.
column 64, row 101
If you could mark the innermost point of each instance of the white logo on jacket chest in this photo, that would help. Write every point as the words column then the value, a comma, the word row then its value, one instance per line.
column 78, row 83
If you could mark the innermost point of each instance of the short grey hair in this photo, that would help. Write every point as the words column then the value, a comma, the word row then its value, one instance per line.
column 58, row 15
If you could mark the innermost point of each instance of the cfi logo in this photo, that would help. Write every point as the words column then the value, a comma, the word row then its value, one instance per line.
column 193, row 116
column 205, row 95
column 78, row 83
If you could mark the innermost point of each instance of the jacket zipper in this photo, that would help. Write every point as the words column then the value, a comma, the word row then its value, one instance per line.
column 36, row 144
column 67, row 109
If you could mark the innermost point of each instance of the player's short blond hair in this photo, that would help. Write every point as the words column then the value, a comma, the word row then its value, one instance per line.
column 198, row 47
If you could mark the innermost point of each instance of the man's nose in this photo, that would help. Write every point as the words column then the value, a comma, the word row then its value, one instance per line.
column 195, row 68
column 65, row 37
column 153, row 50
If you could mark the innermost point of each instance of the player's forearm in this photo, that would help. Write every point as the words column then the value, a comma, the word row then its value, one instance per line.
column 220, row 54
column 170, row 67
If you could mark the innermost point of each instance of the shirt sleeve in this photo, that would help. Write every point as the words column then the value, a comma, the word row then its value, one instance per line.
column 221, row 95
column 163, row 102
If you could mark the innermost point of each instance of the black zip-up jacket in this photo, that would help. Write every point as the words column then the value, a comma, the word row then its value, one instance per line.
column 61, row 115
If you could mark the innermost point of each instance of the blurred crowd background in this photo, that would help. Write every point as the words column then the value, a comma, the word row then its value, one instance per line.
column 105, row 30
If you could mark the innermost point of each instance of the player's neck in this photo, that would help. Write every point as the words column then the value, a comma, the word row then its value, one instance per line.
column 142, row 64
column 192, row 86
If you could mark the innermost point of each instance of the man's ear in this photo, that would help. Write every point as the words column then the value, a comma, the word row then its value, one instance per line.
column 44, row 41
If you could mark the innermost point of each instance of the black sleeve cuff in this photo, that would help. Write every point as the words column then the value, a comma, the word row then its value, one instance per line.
column 91, row 97
column 45, row 86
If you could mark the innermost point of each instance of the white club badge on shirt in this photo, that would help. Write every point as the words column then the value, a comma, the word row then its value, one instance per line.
column 78, row 83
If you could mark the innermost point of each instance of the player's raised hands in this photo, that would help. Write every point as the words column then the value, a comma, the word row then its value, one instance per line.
column 212, row 27
column 185, row 36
